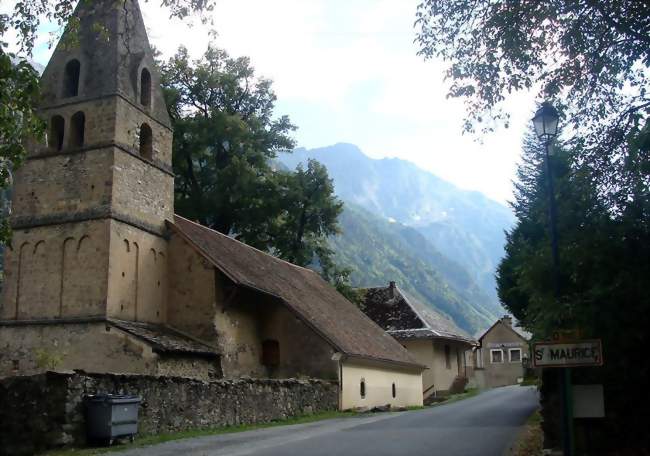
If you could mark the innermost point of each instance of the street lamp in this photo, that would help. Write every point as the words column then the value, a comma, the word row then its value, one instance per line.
column 546, row 122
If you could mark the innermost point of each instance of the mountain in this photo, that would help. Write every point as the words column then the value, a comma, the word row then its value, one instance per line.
column 465, row 226
column 379, row 251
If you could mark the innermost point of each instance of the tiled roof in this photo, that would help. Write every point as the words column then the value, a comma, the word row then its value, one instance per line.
column 312, row 299
column 405, row 317
column 164, row 339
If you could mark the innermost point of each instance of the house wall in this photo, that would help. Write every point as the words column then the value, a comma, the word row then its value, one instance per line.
column 92, row 347
column 423, row 352
column 57, row 271
column 137, row 274
column 378, row 378
column 501, row 337
column 205, row 303
column 303, row 353
column 443, row 375
column 437, row 378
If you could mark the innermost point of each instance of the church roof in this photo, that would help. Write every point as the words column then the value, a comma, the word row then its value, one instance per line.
column 302, row 290
column 109, row 40
column 405, row 317
column 164, row 339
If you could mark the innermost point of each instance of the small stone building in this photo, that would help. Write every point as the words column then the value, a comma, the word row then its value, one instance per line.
column 102, row 276
column 501, row 355
column 433, row 340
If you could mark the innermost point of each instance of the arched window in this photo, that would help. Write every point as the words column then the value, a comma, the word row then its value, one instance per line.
column 394, row 390
column 362, row 388
column 77, row 127
column 71, row 78
column 55, row 137
column 145, row 88
column 146, row 141
column 271, row 353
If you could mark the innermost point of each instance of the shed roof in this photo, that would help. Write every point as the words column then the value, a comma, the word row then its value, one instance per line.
column 302, row 290
column 164, row 339
column 405, row 317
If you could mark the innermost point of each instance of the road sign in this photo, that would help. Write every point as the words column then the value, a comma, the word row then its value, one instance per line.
column 580, row 353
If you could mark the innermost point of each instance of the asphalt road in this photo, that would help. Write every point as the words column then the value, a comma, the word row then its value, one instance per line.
column 484, row 425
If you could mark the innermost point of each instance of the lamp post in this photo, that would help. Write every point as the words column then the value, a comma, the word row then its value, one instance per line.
column 546, row 122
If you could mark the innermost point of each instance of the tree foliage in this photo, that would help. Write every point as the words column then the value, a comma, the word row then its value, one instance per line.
column 604, row 265
column 226, row 139
column 591, row 57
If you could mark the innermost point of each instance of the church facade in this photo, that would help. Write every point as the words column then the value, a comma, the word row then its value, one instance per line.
column 102, row 276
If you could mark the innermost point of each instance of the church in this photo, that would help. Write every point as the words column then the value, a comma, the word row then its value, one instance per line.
column 102, row 276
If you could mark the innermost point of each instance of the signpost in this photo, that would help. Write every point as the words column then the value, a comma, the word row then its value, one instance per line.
column 581, row 353
column 566, row 354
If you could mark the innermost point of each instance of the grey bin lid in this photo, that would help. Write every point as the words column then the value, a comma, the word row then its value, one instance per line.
column 113, row 398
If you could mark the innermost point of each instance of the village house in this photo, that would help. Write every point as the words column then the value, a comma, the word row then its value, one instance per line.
column 501, row 355
column 102, row 276
column 430, row 338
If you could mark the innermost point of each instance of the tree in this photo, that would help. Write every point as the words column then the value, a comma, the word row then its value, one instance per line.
column 604, row 264
column 19, row 81
column 225, row 137
column 310, row 213
column 591, row 57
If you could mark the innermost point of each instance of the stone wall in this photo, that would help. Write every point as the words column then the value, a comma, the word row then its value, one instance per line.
column 45, row 411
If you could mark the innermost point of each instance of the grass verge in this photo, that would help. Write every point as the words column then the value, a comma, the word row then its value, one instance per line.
column 531, row 439
column 161, row 438
column 471, row 392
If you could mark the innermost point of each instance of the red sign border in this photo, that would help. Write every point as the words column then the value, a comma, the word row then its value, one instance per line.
column 555, row 366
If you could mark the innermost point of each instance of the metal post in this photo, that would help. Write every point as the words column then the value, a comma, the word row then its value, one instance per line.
column 567, row 405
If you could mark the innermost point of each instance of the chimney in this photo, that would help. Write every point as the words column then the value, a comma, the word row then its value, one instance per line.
column 507, row 319
column 391, row 287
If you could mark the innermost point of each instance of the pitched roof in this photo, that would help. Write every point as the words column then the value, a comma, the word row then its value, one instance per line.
column 164, row 339
column 405, row 317
column 302, row 290
column 518, row 331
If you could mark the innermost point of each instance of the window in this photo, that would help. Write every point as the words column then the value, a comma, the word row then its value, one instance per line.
column 394, row 390
column 55, row 138
column 71, row 78
column 515, row 355
column 77, row 126
column 271, row 353
column 145, row 88
column 146, row 141
column 496, row 356
column 362, row 388
column 447, row 357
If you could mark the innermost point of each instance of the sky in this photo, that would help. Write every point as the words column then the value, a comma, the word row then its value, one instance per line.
column 348, row 71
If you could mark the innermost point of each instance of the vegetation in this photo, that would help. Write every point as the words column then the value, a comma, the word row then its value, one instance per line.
column 378, row 251
column 590, row 57
column 226, row 138
column 530, row 441
column 604, row 261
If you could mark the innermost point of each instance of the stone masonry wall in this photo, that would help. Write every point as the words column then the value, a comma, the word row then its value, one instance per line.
column 45, row 411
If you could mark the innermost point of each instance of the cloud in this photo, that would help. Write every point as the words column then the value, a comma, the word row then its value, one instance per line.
column 347, row 71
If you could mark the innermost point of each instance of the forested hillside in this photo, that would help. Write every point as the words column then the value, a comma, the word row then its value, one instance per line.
column 465, row 226
column 379, row 251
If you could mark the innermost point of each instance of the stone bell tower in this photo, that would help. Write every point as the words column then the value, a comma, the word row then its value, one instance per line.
column 89, row 206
